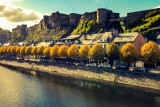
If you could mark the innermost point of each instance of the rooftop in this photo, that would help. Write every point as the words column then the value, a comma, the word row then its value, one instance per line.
column 71, row 37
column 126, row 37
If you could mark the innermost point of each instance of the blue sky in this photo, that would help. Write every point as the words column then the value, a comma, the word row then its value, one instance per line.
column 30, row 12
column 81, row 6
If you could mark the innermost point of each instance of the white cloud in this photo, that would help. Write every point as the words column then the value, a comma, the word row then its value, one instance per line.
column 11, row 16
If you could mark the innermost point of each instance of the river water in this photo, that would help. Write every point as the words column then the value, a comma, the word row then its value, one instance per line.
column 24, row 90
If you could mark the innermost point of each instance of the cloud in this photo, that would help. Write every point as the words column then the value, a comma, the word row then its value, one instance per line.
column 18, row 14
column 11, row 16
column 157, row 7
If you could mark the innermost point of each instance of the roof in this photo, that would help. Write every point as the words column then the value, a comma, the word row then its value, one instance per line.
column 45, row 44
column 90, row 39
column 126, row 37
column 158, row 37
column 71, row 37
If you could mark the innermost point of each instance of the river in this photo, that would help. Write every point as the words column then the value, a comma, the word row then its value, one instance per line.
column 24, row 90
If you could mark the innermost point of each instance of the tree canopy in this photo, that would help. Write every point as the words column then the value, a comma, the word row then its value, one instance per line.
column 54, row 51
column 150, row 52
column 97, row 52
column 46, row 51
column 40, row 50
column 28, row 50
column 73, row 52
column 63, row 51
column 129, row 53
column 22, row 51
column 84, row 52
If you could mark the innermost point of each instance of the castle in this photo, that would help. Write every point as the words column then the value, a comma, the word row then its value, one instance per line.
column 101, row 16
column 134, row 16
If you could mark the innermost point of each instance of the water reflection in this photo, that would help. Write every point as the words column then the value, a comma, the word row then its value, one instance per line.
column 22, row 90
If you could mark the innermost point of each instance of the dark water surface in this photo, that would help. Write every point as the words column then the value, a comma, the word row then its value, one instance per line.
column 23, row 90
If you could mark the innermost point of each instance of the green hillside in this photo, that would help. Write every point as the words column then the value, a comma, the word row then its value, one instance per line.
column 4, row 35
column 149, row 25
column 86, row 27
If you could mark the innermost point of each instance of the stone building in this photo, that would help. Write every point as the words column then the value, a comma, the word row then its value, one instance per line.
column 134, row 16
column 135, row 38
column 57, row 19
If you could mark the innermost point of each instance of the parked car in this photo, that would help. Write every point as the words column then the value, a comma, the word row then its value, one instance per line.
column 122, row 66
column 140, row 69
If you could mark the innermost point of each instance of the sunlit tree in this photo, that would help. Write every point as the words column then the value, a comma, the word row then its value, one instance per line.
column 1, row 50
column 112, row 52
column 28, row 50
column 13, row 50
column 54, row 51
column 34, row 51
column 18, row 50
column 40, row 50
column 73, row 52
column 22, row 51
column 9, row 50
column 63, row 51
column 150, row 52
column 5, row 50
column 97, row 53
column 84, row 52
column 46, row 51
column 129, row 53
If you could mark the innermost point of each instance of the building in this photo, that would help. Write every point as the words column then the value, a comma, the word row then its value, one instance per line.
column 7, row 44
column 158, row 40
column 135, row 38
column 45, row 44
column 68, row 41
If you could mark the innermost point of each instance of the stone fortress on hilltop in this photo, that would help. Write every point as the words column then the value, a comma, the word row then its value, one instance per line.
column 134, row 16
column 107, row 18
column 101, row 16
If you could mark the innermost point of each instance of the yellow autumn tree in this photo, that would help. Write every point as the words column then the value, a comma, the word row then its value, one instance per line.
column 1, row 50
column 54, row 51
column 73, row 52
column 5, row 49
column 46, row 51
column 63, row 51
column 28, row 50
column 34, row 50
column 84, row 52
column 9, row 50
column 18, row 50
column 150, row 52
column 40, row 50
column 129, row 53
column 22, row 51
column 13, row 50
column 97, row 53
column 112, row 52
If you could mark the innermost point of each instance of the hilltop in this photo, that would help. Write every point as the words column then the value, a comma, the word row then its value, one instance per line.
column 58, row 25
column 5, row 35
column 147, row 23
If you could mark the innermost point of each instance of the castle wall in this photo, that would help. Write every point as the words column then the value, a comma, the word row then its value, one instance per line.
column 74, row 18
column 89, row 16
column 134, row 16
column 102, row 15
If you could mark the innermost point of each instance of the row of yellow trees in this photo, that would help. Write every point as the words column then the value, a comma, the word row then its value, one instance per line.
column 128, row 53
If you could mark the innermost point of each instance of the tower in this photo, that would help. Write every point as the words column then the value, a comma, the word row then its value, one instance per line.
column 101, row 15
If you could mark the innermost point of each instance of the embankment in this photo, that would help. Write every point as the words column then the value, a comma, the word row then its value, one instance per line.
column 97, row 76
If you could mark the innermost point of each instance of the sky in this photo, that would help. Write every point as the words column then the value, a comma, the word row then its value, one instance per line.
column 30, row 12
